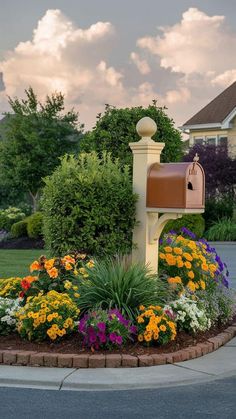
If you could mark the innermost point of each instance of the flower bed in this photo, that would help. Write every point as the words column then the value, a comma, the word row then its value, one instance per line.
column 74, row 304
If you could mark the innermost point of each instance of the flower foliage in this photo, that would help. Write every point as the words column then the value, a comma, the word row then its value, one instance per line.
column 189, row 263
column 10, row 287
column 105, row 329
column 156, row 325
column 8, row 309
column 59, row 274
column 51, row 316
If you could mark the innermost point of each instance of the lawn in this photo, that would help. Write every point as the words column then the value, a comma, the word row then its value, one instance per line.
column 16, row 262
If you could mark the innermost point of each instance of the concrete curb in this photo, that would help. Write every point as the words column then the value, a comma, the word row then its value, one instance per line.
column 44, row 359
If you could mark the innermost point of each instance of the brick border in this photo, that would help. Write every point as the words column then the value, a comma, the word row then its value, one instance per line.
column 47, row 359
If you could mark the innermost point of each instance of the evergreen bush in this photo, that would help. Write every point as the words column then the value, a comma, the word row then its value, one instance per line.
column 193, row 222
column 19, row 229
column 34, row 225
column 88, row 205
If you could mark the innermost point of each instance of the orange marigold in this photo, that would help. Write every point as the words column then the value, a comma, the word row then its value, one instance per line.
column 49, row 264
column 35, row 266
column 53, row 273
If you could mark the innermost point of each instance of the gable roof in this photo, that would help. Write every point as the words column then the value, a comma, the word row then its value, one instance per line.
column 217, row 110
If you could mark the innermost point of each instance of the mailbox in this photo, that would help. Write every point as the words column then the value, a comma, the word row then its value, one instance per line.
column 176, row 185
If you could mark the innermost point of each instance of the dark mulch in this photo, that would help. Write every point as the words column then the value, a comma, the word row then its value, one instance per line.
column 73, row 344
column 22, row 243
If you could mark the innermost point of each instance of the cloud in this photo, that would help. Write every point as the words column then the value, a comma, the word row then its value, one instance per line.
column 199, row 43
column 62, row 57
column 142, row 65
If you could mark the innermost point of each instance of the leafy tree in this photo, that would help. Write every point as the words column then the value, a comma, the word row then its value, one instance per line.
column 36, row 136
column 117, row 128
column 219, row 167
column 220, row 172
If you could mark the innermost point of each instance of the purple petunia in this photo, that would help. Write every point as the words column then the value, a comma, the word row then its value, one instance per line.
column 101, row 326
column 119, row 340
column 112, row 337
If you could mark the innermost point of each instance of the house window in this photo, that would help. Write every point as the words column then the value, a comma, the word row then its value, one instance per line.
column 210, row 140
column 222, row 141
column 198, row 140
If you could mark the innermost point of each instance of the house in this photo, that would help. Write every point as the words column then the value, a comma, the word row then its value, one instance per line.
column 216, row 122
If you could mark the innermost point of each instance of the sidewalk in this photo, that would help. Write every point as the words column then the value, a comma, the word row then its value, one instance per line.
column 213, row 366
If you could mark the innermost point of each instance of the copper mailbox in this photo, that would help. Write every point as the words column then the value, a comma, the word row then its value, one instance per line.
column 176, row 185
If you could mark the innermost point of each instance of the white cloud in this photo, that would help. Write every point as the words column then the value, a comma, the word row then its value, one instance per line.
column 199, row 43
column 142, row 65
column 62, row 57
column 225, row 79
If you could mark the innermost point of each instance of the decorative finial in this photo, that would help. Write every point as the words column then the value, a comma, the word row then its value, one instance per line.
column 196, row 158
column 146, row 127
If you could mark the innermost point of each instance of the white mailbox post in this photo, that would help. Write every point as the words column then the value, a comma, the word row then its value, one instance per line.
column 149, row 225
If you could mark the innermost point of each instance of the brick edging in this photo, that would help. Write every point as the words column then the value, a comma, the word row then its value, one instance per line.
column 44, row 359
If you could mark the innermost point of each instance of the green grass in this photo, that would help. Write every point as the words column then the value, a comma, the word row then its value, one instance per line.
column 16, row 262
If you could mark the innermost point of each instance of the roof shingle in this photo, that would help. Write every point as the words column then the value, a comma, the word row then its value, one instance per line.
column 217, row 110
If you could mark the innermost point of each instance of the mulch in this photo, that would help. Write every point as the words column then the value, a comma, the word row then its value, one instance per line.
column 73, row 344
column 22, row 243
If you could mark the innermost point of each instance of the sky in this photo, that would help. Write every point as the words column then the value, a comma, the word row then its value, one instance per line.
column 124, row 53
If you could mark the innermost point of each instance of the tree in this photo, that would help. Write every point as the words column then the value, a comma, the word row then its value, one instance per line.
column 36, row 136
column 220, row 172
column 219, row 167
column 117, row 128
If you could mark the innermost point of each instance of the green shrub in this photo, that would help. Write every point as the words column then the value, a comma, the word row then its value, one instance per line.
column 217, row 209
column 19, row 229
column 193, row 222
column 222, row 230
column 112, row 284
column 88, row 205
column 10, row 216
column 35, row 225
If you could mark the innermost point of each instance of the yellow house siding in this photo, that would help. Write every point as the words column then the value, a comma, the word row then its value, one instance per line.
column 232, row 139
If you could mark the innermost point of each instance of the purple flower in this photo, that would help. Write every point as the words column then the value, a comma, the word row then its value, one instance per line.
column 168, row 240
column 225, row 282
column 188, row 232
column 119, row 340
column 92, row 338
column 160, row 241
column 101, row 326
column 133, row 329
column 112, row 337
column 102, row 337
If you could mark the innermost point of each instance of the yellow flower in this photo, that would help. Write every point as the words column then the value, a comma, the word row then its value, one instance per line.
column 178, row 251
column 175, row 280
column 191, row 286
column 170, row 259
column 168, row 249
column 212, row 267
column 49, row 264
column 188, row 265
column 75, row 288
column 191, row 274
column 68, row 266
column 76, row 295
column 141, row 308
column 187, row 256
column 162, row 327
column 180, row 264
column 140, row 338
column 155, row 335
column 202, row 284
column 49, row 318
column 67, row 285
column 204, row 266
column 75, row 272
column 90, row 264
column 162, row 256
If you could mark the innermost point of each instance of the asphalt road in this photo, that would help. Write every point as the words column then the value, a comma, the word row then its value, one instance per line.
column 227, row 252
column 215, row 399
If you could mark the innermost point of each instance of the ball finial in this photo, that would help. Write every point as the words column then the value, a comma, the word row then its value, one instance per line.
column 146, row 127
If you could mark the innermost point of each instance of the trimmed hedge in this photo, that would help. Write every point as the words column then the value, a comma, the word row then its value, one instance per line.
column 19, row 229
column 34, row 225
column 193, row 222
column 88, row 205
